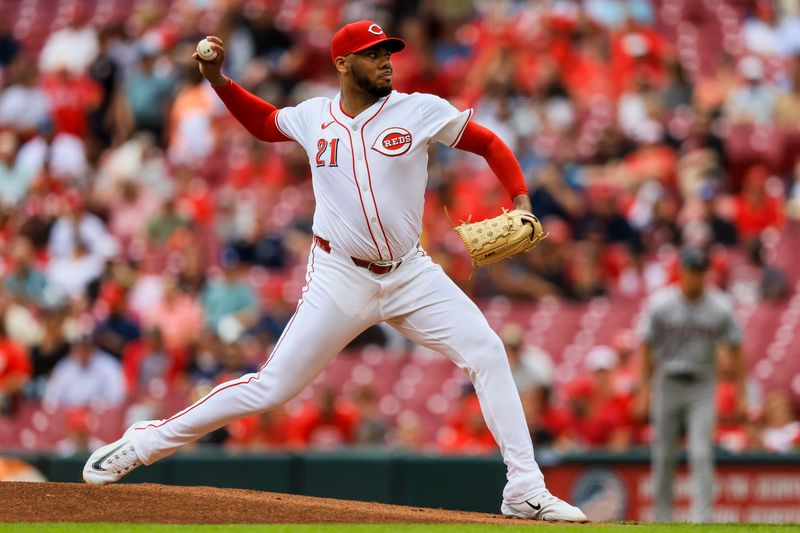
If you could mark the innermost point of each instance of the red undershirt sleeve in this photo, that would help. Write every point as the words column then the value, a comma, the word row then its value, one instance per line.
column 482, row 141
column 259, row 117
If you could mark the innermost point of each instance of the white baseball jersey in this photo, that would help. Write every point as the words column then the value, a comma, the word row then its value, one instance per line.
column 370, row 172
column 369, row 177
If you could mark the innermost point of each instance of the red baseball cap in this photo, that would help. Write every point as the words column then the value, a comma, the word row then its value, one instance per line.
column 358, row 36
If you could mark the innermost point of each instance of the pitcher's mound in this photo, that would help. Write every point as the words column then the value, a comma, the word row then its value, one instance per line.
column 77, row 502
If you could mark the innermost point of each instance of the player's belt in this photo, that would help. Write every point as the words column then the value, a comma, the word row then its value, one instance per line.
column 685, row 377
column 376, row 267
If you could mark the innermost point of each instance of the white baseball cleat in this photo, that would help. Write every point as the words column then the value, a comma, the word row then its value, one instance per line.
column 112, row 462
column 546, row 507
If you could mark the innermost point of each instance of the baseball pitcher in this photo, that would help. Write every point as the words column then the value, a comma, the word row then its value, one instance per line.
column 367, row 148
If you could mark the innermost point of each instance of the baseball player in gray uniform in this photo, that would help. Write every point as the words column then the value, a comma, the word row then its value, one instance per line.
column 681, row 328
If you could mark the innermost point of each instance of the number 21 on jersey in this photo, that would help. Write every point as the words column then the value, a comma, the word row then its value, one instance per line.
column 322, row 147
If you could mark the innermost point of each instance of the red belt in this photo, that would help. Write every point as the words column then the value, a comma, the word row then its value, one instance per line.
column 372, row 266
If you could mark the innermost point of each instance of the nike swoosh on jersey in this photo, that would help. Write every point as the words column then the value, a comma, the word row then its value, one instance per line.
column 328, row 124
column 97, row 464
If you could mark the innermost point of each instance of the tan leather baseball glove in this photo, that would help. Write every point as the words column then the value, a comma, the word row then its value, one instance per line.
column 501, row 237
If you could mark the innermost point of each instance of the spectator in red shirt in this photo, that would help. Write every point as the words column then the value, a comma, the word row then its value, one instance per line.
column 71, row 98
column 756, row 209
column 549, row 425
column 587, row 72
column 730, row 433
column 149, row 360
column 602, row 416
column 326, row 422
column 265, row 431
column 15, row 371
column 636, row 50
column 79, row 438
column 466, row 431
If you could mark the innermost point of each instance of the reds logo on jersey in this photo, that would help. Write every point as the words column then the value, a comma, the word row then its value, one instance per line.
column 393, row 142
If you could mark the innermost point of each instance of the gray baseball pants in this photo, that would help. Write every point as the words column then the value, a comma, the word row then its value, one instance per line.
column 674, row 401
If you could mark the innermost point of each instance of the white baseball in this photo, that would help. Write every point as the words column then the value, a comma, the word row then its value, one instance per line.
column 205, row 51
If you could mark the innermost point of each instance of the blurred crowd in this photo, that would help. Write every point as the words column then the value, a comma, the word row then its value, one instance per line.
column 149, row 245
column 598, row 409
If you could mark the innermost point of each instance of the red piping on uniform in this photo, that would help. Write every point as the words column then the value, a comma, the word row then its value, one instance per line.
column 343, row 111
column 358, row 189
column 279, row 126
column 258, row 375
column 460, row 133
column 369, row 176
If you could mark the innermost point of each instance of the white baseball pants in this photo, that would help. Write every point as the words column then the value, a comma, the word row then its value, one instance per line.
column 339, row 301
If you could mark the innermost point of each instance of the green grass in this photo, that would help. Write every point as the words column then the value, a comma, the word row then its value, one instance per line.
column 394, row 528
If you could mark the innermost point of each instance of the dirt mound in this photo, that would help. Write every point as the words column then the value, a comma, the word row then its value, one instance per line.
column 77, row 502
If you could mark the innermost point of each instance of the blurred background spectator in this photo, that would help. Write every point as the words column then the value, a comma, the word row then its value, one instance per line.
column 86, row 376
column 15, row 371
column 466, row 431
column 782, row 429
column 327, row 421
column 530, row 367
